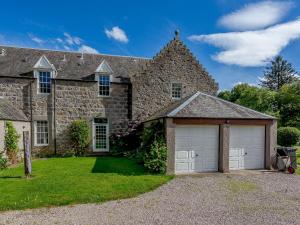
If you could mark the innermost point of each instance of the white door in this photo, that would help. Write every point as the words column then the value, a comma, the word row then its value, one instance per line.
column 100, row 138
column 196, row 148
column 247, row 147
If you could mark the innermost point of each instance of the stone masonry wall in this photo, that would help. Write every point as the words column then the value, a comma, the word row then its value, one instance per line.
column 74, row 100
column 80, row 100
column 152, row 87
column 17, row 92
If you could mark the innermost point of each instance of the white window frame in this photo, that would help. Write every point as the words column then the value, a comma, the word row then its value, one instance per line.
column 37, row 76
column 176, row 98
column 35, row 133
column 109, row 85
column 107, row 136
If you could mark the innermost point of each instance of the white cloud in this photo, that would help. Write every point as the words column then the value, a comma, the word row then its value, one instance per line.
column 117, row 33
column 256, row 15
column 87, row 49
column 36, row 39
column 72, row 40
column 59, row 40
column 251, row 48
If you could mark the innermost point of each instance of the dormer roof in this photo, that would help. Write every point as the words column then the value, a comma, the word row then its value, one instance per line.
column 104, row 67
column 43, row 63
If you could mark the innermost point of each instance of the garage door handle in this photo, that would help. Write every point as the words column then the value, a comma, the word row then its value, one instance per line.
column 196, row 155
column 246, row 153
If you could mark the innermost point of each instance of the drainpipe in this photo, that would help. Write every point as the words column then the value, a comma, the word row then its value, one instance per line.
column 54, row 115
column 31, row 113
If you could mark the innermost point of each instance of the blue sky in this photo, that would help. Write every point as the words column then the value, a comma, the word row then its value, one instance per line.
column 233, row 39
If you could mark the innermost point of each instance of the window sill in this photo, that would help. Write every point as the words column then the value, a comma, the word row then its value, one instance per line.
column 41, row 145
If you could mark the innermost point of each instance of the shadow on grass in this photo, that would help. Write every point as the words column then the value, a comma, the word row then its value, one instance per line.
column 10, row 177
column 122, row 166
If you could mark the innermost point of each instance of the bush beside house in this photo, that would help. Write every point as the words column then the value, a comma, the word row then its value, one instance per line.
column 11, row 140
column 80, row 136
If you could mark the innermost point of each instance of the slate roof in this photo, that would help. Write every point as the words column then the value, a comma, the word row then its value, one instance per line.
column 201, row 105
column 18, row 62
column 9, row 112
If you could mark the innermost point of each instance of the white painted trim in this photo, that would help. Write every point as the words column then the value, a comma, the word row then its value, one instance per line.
column 37, row 64
column 98, row 81
column 184, row 104
column 35, row 134
column 104, row 62
column 172, row 90
column 36, row 75
column 94, row 137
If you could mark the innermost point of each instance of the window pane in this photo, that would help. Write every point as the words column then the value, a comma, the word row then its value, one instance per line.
column 44, row 82
column 104, row 85
column 41, row 132
column 176, row 90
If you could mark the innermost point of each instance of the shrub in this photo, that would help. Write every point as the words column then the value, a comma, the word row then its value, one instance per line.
column 80, row 136
column 126, row 141
column 155, row 159
column 3, row 162
column 11, row 141
column 288, row 136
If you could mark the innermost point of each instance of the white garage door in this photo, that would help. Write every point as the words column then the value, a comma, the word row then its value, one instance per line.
column 196, row 148
column 247, row 147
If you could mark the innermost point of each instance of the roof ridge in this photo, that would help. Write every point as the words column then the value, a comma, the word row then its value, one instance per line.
column 184, row 104
column 73, row 52
column 232, row 103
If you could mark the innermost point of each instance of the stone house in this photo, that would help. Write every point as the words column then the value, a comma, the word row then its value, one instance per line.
column 8, row 112
column 54, row 88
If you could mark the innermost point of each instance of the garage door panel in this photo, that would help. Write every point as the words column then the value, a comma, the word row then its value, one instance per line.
column 182, row 154
column 202, row 144
column 247, row 147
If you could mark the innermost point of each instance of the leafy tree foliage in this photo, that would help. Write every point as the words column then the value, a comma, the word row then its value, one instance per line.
column 260, row 99
column 280, row 72
column 289, row 99
column 288, row 136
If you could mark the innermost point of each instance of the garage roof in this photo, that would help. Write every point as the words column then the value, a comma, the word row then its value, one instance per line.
column 9, row 112
column 201, row 105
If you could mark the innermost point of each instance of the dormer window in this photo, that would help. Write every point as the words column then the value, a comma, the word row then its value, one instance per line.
column 104, row 85
column 103, row 73
column 43, row 71
column 176, row 90
column 44, row 82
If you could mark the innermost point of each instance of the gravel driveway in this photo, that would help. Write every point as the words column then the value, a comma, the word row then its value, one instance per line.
column 240, row 198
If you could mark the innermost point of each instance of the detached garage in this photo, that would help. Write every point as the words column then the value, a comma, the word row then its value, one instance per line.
column 205, row 133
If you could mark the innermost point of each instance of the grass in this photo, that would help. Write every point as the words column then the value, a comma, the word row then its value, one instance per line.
column 298, row 160
column 63, row 181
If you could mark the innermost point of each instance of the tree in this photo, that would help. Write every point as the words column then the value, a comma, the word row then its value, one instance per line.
column 277, row 74
column 289, row 101
column 260, row 99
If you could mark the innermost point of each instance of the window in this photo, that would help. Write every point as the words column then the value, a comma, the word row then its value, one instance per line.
column 176, row 90
column 44, row 82
column 41, row 133
column 101, row 142
column 104, row 85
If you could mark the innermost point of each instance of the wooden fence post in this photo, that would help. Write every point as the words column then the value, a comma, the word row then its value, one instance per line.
column 27, row 154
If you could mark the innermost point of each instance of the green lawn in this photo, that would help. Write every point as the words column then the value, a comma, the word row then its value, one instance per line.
column 62, row 181
column 298, row 160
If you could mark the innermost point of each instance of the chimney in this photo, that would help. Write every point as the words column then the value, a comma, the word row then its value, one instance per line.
column 3, row 52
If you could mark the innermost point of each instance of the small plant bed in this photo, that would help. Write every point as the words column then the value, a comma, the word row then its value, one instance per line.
column 63, row 181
